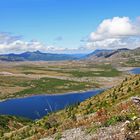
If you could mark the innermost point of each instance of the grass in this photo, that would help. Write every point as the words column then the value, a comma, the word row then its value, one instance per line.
column 58, row 136
column 14, row 81
column 52, row 85
column 103, row 73
column 12, row 84
column 105, row 70
column 10, row 123
column 93, row 129
column 20, row 86
column 108, row 108
column 113, row 120
column 103, row 110
column 31, row 84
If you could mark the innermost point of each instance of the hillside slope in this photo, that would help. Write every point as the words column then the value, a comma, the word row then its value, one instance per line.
column 113, row 114
column 123, row 57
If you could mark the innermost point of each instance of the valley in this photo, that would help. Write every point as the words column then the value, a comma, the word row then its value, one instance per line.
column 69, row 69
column 19, row 79
column 67, row 104
column 116, row 109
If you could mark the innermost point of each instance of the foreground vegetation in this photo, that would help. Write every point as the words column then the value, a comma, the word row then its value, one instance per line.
column 112, row 107
column 12, row 123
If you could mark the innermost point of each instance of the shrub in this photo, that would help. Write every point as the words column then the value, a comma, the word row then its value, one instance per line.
column 114, row 96
column 129, row 89
column 113, row 120
column 126, row 79
column 137, row 82
column 93, row 129
column 58, row 136
column 134, row 126
column 47, row 125
column 73, row 117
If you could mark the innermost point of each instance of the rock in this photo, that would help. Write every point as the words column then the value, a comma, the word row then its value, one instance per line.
column 136, row 100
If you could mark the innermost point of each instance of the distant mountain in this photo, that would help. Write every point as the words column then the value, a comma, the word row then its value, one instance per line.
column 99, row 53
column 37, row 56
column 124, row 56
column 105, row 53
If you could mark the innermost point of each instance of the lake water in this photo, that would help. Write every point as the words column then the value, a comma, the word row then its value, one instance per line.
column 36, row 107
column 135, row 71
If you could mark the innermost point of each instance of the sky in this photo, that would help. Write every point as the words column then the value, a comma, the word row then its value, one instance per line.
column 68, row 26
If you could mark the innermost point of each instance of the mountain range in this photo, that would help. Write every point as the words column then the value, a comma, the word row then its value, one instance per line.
column 97, row 55
column 37, row 56
column 122, row 56
column 105, row 53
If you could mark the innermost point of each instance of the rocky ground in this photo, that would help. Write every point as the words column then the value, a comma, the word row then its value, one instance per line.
column 117, row 132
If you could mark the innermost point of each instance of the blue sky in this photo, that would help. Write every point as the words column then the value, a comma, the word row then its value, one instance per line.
column 61, row 23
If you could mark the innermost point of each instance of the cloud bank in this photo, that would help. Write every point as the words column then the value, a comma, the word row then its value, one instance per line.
column 14, row 44
column 118, row 32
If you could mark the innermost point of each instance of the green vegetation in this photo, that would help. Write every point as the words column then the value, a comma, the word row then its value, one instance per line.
column 14, row 81
column 106, row 73
column 28, row 79
column 10, row 123
column 134, row 125
column 104, row 70
column 106, row 109
column 52, row 85
column 133, row 62
column 109, row 108
column 115, row 119
column 58, row 136
column 93, row 129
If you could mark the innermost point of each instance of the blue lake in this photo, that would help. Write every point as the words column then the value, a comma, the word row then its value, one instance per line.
column 135, row 71
column 36, row 107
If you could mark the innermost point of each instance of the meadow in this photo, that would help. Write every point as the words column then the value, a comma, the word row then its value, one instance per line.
column 32, row 78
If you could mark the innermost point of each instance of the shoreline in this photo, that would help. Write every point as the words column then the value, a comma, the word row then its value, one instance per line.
column 128, row 70
column 55, row 94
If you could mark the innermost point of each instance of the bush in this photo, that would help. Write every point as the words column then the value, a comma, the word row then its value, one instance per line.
column 137, row 82
column 73, row 117
column 134, row 126
column 58, row 136
column 113, row 120
column 129, row 89
column 47, row 125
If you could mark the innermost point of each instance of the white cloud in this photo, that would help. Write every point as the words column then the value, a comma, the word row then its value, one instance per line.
column 129, row 42
column 115, row 33
column 118, row 32
column 115, row 28
column 15, row 44
column 19, row 46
